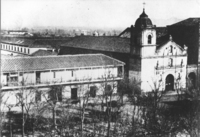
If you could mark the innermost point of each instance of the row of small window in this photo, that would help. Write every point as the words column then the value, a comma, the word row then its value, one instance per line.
column 57, row 96
column 15, row 48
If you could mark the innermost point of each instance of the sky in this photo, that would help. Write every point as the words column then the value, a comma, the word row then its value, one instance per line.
column 93, row 13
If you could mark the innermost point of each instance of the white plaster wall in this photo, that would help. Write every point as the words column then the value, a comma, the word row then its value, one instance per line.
column 3, row 52
column 96, row 73
column 29, row 78
column 3, row 79
column 149, row 75
column 164, row 50
column 32, row 50
column 84, row 88
column 46, row 77
column 63, row 75
column 9, row 97
column 148, row 51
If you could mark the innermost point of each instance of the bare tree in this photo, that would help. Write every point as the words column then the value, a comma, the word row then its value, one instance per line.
column 190, row 111
column 53, row 97
column 3, row 104
column 25, row 100
column 130, row 89
column 84, row 97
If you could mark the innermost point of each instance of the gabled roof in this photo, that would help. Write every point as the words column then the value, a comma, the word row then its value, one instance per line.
column 102, row 43
column 188, row 22
column 24, row 64
column 160, row 31
column 163, row 39
column 43, row 53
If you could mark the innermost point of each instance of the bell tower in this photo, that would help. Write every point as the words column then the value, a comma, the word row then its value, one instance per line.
column 143, row 47
column 143, row 36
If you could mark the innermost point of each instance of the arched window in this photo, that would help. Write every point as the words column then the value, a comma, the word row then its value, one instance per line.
column 192, row 80
column 169, row 82
column 149, row 39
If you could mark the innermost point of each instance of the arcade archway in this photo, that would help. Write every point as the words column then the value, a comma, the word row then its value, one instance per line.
column 192, row 79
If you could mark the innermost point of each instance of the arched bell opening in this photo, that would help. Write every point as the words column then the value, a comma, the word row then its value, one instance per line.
column 149, row 39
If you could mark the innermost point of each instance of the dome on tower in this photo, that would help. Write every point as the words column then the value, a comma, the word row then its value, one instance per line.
column 143, row 21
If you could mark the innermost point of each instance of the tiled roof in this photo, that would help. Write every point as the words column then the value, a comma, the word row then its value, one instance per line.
column 102, row 43
column 43, row 53
column 56, row 62
column 188, row 22
column 55, row 43
column 34, row 43
column 126, row 33
column 160, row 31
column 163, row 39
column 17, row 41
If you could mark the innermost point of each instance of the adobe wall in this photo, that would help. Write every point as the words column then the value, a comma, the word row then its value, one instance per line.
column 195, row 70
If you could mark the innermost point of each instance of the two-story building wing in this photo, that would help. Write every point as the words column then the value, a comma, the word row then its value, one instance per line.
column 75, row 73
column 20, row 48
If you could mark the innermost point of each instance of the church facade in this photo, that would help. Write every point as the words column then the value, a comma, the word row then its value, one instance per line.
column 157, row 66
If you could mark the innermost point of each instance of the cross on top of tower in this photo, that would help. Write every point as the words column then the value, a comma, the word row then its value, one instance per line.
column 144, row 5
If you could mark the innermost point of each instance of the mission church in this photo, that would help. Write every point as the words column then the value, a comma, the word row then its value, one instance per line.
column 163, row 65
column 154, row 56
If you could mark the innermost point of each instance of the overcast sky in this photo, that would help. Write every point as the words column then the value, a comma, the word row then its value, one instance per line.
column 93, row 13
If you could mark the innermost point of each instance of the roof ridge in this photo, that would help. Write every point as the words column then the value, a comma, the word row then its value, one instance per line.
column 184, row 20
column 27, row 57
column 114, row 59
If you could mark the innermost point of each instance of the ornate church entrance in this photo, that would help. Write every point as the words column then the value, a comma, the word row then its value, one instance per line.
column 169, row 82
